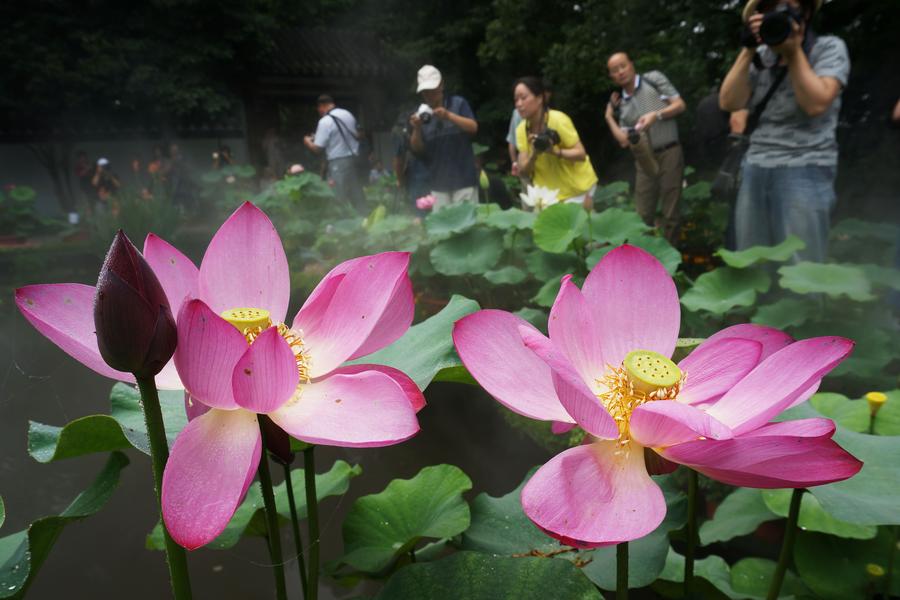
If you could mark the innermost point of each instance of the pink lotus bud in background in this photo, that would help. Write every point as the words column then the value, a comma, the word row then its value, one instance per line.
column 425, row 202
column 295, row 169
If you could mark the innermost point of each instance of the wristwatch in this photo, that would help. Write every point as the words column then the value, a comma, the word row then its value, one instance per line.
column 660, row 116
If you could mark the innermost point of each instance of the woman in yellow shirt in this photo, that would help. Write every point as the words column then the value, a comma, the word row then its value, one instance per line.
column 550, row 151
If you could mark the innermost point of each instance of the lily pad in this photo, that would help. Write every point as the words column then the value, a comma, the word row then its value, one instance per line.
column 852, row 414
column 615, row 226
column 742, row 259
column 830, row 279
column 545, row 266
column 814, row 518
column 740, row 513
column 611, row 192
column 787, row 312
column 751, row 577
column 725, row 288
column 104, row 433
column 382, row 526
column 883, row 276
column 870, row 496
column 477, row 576
column 474, row 251
column 887, row 421
column 506, row 276
column 23, row 553
column 511, row 218
column 451, row 219
column 249, row 518
column 557, row 226
column 546, row 296
column 426, row 348
column 835, row 569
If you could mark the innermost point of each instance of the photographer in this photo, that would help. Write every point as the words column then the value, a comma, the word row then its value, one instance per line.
column 647, row 107
column 787, row 184
column 442, row 131
column 337, row 136
column 550, row 151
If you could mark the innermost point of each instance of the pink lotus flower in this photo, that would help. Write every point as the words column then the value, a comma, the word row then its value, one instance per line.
column 292, row 373
column 425, row 202
column 606, row 368
column 296, row 169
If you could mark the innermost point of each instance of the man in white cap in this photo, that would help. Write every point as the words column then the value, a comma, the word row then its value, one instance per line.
column 442, row 133
column 787, row 185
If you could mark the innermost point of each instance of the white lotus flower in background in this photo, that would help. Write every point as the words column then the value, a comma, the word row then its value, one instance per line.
column 539, row 197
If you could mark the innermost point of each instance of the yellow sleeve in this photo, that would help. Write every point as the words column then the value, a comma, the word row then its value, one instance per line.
column 561, row 122
column 521, row 137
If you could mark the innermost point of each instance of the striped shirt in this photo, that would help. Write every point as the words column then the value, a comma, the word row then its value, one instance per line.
column 651, row 92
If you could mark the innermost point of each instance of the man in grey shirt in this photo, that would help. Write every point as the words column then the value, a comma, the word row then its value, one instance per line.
column 337, row 137
column 648, row 105
column 787, row 185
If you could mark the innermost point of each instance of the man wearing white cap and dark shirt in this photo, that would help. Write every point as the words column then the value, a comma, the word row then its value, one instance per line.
column 445, row 141
column 787, row 180
column 337, row 136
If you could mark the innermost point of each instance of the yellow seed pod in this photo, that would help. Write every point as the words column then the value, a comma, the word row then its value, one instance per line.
column 876, row 400
column 247, row 318
column 649, row 371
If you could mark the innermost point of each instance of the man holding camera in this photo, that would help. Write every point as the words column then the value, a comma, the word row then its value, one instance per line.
column 442, row 131
column 336, row 135
column 787, row 185
column 647, row 107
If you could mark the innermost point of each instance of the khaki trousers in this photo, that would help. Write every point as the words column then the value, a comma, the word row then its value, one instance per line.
column 663, row 189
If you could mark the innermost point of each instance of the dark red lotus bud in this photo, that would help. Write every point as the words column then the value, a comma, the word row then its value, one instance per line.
column 135, row 329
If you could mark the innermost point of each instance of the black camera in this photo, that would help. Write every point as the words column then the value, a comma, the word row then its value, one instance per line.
column 425, row 113
column 546, row 139
column 778, row 24
column 634, row 136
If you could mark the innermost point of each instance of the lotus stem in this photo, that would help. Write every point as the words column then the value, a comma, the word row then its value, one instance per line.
column 265, row 482
column 622, row 571
column 312, row 521
column 295, row 523
column 889, row 572
column 159, row 455
column 787, row 546
column 691, row 534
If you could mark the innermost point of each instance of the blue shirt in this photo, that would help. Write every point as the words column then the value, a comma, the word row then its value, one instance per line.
column 448, row 150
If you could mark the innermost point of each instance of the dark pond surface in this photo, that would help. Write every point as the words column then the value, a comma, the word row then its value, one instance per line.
column 104, row 556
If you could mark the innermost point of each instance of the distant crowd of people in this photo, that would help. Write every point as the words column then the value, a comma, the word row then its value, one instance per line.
column 780, row 102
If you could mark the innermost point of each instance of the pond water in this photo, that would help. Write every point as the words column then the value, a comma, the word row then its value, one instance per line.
column 104, row 555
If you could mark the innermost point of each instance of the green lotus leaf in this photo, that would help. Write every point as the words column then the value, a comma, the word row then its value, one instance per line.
column 814, row 518
column 474, row 251
column 725, row 288
column 883, row 276
column 741, row 259
column 545, row 266
column 427, row 347
column 852, row 414
column 536, row 317
column 380, row 527
column 751, row 578
column 615, row 226
column 22, row 554
column 830, row 279
column 546, row 296
column 870, row 496
column 557, row 226
column 836, row 569
column 740, row 513
column 451, row 219
column 511, row 218
column 887, row 421
column 787, row 312
column 611, row 192
column 102, row 433
column 508, row 275
column 477, row 576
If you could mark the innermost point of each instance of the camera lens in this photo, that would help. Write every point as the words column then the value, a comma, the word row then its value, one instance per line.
column 425, row 117
column 775, row 28
column 633, row 136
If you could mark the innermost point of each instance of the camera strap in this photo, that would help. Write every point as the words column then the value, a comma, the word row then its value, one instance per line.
column 341, row 126
column 753, row 119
